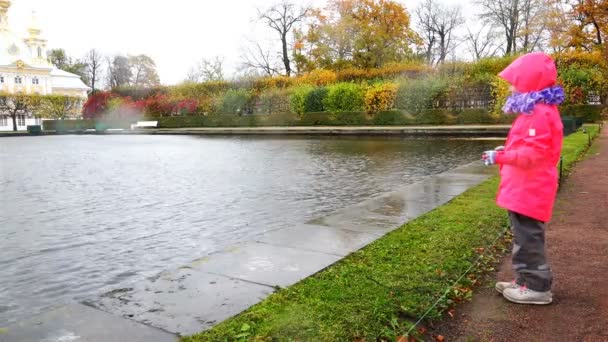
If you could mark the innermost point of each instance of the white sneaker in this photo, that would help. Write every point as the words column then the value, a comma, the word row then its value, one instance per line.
column 523, row 295
column 503, row 285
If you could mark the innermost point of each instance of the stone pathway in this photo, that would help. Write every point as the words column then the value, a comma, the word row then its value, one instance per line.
column 212, row 289
column 577, row 247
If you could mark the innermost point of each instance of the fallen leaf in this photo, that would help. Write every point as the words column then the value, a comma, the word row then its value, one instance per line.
column 440, row 338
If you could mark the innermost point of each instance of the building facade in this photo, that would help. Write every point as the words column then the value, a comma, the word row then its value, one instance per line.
column 25, row 68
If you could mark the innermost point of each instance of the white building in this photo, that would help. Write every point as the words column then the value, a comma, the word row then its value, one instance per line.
column 24, row 68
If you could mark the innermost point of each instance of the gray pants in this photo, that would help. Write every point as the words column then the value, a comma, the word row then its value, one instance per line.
column 529, row 259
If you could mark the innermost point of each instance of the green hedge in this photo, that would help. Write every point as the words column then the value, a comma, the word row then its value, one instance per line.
column 469, row 116
column 434, row 117
column 62, row 126
column 393, row 117
column 344, row 97
column 316, row 119
column 476, row 116
column 67, row 125
column 589, row 113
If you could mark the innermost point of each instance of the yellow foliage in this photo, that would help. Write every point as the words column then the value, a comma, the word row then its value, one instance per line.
column 380, row 97
column 276, row 82
column 501, row 89
column 319, row 77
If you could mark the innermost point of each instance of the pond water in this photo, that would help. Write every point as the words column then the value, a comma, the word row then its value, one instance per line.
column 80, row 215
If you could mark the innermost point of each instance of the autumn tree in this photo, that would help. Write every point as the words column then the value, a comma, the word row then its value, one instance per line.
column 17, row 104
column 58, row 106
column 281, row 18
column 591, row 22
column 119, row 71
column 143, row 72
column 357, row 33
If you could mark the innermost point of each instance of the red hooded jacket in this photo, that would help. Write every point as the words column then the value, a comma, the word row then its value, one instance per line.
column 528, row 164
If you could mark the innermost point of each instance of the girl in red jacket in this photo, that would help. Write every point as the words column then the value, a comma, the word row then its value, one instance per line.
column 528, row 170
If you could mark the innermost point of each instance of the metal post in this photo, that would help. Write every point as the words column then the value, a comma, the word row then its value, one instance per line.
column 561, row 170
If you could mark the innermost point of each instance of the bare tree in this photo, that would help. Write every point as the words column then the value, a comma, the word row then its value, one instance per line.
column 207, row 70
column 438, row 24
column 482, row 43
column 534, row 22
column 424, row 17
column 505, row 14
column 258, row 59
column 93, row 61
column 447, row 20
column 281, row 18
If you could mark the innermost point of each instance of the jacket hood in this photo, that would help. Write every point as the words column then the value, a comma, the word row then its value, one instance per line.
column 531, row 72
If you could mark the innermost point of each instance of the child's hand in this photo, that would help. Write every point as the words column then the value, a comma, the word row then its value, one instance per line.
column 489, row 157
column 499, row 148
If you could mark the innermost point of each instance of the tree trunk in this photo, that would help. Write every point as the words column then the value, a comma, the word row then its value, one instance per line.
column 14, row 117
column 598, row 33
column 93, row 75
column 509, row 46
column 286, row 55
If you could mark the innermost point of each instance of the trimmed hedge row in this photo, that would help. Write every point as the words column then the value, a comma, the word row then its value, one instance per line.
column 85, row 124
column 471, row 116
column 589, row 113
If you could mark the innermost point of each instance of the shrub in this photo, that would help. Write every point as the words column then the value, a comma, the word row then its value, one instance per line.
column 390, row 70
column 350, row 118
column 434, row 117
column 500, row 91
column 280, row 119
column 393, row 117
column 276, row 82
column 137, row 94
column 415, row 96
column 344, row 97
column 157, row 106
column 67, row 125
column 233, row 102
column 589, row 113
column 316, row 119
column 319, row 77
column 476, row 116
column 274, row 101
column 97, row 104
column 380, row 97
column 315, row 99
column 199, row 90
column 298, row 98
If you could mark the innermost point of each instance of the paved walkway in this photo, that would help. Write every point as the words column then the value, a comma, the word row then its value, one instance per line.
column 577, row 242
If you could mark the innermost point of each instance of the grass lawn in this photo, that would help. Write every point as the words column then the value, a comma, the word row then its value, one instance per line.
column 379, row 291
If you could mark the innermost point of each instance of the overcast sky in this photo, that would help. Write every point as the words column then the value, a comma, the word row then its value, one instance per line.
column 174, row 33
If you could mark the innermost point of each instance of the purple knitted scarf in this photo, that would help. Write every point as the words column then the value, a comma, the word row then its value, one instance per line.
column 525, row 102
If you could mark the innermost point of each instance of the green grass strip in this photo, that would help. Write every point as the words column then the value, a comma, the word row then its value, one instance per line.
column 377, row 292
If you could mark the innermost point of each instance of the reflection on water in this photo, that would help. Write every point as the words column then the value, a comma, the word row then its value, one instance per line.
column 83, row 214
